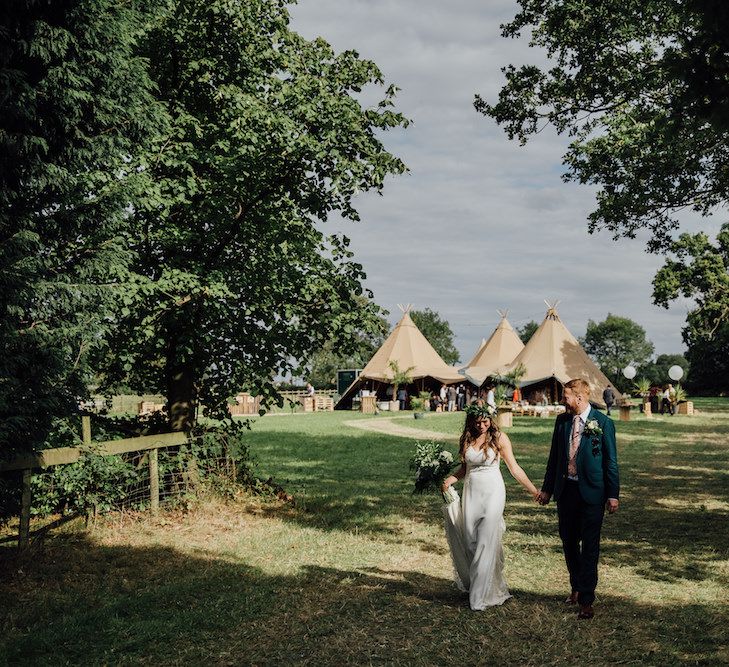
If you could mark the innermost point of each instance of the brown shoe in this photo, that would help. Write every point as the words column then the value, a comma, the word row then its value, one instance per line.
column 572, row 599
column 586, row 612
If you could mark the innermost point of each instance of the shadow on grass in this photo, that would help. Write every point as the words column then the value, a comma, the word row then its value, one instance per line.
column 81, row 603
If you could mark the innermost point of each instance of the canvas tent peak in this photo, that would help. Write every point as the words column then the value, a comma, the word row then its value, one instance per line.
column 553, row 356
column 495, row 354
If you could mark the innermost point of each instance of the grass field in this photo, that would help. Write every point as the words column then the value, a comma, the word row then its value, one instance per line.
column 356, row 569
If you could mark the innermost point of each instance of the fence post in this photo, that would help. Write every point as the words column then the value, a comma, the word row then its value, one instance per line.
column 153, row 481
column 24, row 533
column 86, row 429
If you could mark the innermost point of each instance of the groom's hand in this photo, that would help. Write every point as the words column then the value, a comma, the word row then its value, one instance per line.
column 612, row 505
column 543, row 497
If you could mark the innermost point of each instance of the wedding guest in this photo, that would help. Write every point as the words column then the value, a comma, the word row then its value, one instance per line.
column 452, row 395
column 461, row 397
column 666, row 401
column 653, row 396
column 490, row 398
column 402, row 397
column 609, row 397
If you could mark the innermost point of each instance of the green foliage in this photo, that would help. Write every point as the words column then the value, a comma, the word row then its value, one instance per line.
column 642, row 91
column 700, row 270
column 237, row 284
column 420, row 402
column 527, row 331
column 656, row 372
column 506, row 382
column 431, row 463
column 642, row 387
column 94, row 484
column 438, row 333
column 75, row 107
column 333, row 355
column 615, row 343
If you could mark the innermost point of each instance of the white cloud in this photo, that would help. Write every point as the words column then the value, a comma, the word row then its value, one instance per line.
column 480, row 223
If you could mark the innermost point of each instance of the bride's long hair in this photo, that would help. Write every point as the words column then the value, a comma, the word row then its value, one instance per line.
column 471, row 432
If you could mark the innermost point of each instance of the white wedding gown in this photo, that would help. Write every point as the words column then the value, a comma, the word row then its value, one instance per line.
column 474, row 528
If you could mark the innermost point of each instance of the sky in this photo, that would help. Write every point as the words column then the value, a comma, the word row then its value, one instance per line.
column 479, row 224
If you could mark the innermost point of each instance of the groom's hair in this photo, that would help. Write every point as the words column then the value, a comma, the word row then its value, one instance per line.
column 579, row 386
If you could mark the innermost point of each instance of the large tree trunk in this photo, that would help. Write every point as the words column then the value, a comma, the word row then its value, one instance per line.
column 181, row 398
column 182, row 403
column 181, row 390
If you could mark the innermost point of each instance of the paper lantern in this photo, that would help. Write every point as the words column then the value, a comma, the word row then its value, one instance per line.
column 629, row 372
column 675, row 373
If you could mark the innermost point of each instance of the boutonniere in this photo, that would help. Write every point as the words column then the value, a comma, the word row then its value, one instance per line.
column 593, row 431
column 592, row 428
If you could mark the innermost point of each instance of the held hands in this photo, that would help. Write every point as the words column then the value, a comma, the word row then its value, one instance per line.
column 612, row 505
column 543, row 497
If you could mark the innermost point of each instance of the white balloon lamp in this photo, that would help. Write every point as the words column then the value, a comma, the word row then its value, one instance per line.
column 629, row 372
column 675, row 373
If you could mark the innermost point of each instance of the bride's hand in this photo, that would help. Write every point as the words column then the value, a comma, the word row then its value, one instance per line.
column 448, row 481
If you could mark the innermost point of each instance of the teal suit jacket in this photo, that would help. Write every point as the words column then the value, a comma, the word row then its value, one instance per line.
column 597, row 460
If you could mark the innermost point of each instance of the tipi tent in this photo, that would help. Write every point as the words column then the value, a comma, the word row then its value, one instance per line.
column 494, row 354
column 477, row 353
column 552, row 357
column 407, row 346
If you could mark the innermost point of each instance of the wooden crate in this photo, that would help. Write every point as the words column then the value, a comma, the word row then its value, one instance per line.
column 369, row 405
column 323, row 403
column 686, row 408
column 245, row 405
column 148, row 407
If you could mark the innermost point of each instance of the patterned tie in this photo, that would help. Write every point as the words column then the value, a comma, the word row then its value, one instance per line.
column 574, row 446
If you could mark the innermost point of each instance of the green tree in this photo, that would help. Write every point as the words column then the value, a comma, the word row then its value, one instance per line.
column 438, row 332
column 76, row 105
column 334, row 355
column 237, row 282
column 615, row 343
column 527, row 331
column 642, row 90
column 699, row 269
column 656, row 372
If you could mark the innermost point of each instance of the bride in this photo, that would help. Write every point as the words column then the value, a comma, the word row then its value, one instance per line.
column 475, row 526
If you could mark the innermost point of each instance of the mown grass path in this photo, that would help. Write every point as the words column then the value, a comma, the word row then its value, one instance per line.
column 396, row 426
column 356, row 570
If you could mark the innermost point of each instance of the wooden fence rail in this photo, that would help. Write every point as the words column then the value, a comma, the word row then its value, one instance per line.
column 63, row 455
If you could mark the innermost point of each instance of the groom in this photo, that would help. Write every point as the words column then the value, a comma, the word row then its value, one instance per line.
column 582, row 473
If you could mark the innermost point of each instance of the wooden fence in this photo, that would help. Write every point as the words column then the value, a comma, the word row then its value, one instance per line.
column 63, row 455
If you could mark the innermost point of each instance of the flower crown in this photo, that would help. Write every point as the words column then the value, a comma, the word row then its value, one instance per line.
column 485, row 411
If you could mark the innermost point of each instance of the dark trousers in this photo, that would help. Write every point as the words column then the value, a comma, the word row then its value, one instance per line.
column 579, row 527
column 609, row 405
